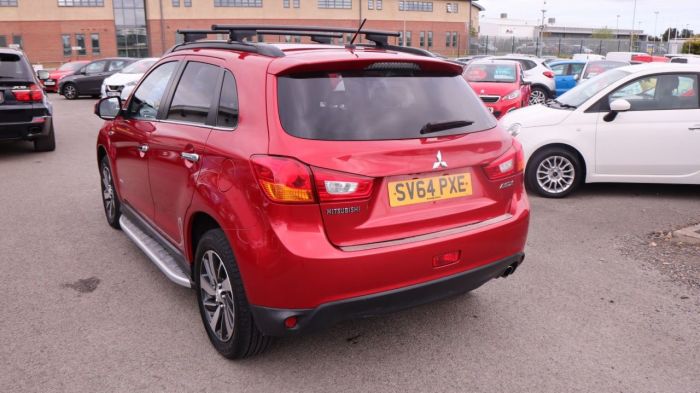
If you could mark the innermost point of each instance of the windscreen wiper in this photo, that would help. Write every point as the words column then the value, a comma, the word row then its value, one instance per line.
column 447, row 125
column 563, row 105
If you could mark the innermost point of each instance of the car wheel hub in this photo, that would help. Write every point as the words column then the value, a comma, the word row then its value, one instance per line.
column 217, row 296
column 555, row 174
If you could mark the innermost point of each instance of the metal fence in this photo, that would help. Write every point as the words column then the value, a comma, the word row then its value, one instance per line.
column 562, row 47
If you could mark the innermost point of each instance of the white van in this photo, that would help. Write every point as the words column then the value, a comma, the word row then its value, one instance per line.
column 587, row 57
column 686, row 59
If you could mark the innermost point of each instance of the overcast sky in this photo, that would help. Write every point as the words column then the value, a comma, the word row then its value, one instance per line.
column 599, row 13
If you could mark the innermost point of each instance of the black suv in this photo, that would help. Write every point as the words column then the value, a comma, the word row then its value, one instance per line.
column 25, row 113
column 88, row 80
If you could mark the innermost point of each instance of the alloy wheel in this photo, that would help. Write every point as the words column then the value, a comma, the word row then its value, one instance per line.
column 555, row 174
column 70, row 92
column 217, row 296
column 537, row 97
column 108, row 193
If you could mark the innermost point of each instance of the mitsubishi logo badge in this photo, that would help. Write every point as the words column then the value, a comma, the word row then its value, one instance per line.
column 439, row 163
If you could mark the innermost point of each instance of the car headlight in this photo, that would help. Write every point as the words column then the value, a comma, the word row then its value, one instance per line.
column 513, row 95
column 514, row 129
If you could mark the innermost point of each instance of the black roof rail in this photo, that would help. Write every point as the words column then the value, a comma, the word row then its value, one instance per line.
column 380, row 38
column 320, row 34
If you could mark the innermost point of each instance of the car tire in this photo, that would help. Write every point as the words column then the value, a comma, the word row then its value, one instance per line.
column 554, row 172
column 46, row 143
column 222, row 301
column 538, row 95
column 70, row 91
column 110, row 200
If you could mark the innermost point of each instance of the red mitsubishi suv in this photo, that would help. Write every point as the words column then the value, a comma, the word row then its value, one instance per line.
column 293, row 186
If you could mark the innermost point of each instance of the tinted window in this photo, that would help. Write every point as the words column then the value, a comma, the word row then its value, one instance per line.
column 146, row 100
column 195, row 93
column 660, row 92
column 95, row 67
column 559, row 69
column 576, row 69
column 12, row 67
column 228, row 103
column 491, row 73
column 376, row 105
column 116, row 65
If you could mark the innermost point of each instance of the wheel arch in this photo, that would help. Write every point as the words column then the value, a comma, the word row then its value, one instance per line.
column 200, row 223
column 550, row 93
column 563, row 146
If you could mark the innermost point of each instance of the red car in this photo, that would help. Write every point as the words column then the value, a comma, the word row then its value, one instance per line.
column 500, row 84
column 70, row 68
column 297, row 185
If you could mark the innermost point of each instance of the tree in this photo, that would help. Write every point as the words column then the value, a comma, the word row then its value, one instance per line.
column 692, row 46
column 603, row 33
column 671, row 32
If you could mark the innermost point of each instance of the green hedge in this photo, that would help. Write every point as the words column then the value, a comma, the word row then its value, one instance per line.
column 692, row 46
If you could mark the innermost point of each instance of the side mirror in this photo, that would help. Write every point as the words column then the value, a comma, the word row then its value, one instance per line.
column 42, row 75
column 108, row 108
column 81, row 71
column 616, row 107
column 576, row 77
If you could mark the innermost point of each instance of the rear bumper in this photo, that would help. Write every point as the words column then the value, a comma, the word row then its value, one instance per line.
column 37, row 128
column 501, row 108
column 270, row 321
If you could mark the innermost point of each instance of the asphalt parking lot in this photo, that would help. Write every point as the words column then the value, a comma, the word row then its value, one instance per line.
column 598, row 305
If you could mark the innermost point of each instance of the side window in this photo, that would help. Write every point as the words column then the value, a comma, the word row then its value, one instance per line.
column 660, row 92
column 194, row 93
column 559, row 69
column 116, row 65
column 146, row 100
column 96, row 67
column 576, row 69
column 227, row 116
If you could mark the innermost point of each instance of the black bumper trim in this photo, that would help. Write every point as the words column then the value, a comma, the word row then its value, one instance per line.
column 270, row 321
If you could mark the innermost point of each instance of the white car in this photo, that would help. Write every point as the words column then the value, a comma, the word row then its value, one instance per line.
column 121, row 83
column 634, row 124
column 536, row 71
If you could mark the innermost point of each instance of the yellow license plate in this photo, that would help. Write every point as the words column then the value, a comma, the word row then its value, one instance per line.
column 410, row 192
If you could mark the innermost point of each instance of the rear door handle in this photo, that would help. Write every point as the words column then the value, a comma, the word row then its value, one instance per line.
column 143, row 148
column 192, row 157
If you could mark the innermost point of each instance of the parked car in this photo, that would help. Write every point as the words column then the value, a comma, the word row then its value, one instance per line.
column 350, row 182
column 468, row 59
column 566, row 74
column 594, row 68
column 122, row 83
column 634, row 124
column 538, row 74
column 587, row 57
column 635, row 57
column 685, row 59
column 25, row 113
column 88, row 80
column 500, row 84
column 51, row 84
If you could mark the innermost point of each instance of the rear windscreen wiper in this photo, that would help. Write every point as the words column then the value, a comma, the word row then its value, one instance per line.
column 447, row 125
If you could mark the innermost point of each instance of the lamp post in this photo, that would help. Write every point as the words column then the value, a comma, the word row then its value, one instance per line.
column 634, row 19
column 539, row 51
column 617, row 28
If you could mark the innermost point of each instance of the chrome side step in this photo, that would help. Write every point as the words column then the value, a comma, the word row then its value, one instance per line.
column 155, row 252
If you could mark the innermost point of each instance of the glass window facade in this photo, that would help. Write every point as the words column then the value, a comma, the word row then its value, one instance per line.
column 80, row 42
column 130, row 24
column 238, row 3
column 81, row 3
column 95, row 43
column 424, row 6
column 65, row 40
column 346, row 4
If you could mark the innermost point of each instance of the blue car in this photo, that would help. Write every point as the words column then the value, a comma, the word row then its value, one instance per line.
column 567, row 73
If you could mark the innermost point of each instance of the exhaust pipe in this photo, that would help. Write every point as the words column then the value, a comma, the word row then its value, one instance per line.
column 509, row 270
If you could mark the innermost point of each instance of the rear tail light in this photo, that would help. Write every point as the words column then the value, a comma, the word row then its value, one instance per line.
column 548, row 74
column 284, row 179
column 337, row 186
column 510, row 163
column 32, row 93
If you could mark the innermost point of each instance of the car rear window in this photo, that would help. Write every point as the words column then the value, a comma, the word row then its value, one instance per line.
column 12, row 66
column 377, row 105
column 505, row 73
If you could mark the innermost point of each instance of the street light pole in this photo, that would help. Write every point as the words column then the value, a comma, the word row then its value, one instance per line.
column 656, row 19
column 541, row 50
column 634, row 19
column 617, row 28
